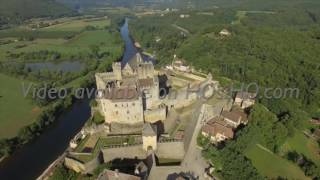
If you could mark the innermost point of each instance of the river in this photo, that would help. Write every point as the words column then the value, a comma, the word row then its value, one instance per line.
column 33, row 158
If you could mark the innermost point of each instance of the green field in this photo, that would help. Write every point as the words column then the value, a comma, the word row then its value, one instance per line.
column 303, row 145
column 243, row 14
column 271, row 165
column 80, row 44
column 15, row 110
column 67, row 37
column 77, row 25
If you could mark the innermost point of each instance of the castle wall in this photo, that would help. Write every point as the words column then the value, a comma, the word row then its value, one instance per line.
column 145, row 70
column 116, row 67
column 81, row 167
column 123, row 112
column 171, row 150
column 186, row 96
column 136, row 151
column 99, row 81
column 154, row 115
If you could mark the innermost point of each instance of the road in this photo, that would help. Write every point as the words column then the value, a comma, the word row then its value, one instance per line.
column 193, row 160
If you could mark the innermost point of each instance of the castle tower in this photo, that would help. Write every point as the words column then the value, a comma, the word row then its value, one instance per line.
column 116, row 67
column 139, row 58
column 149, row 137
column 145, row 70
column 156, row 91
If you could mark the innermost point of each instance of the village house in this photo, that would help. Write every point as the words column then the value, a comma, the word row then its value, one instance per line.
column 231, row 118
column 245, row 99
column 315, row 121
column 224, row 32
column 217, row 130
column 180, row 66
column 184, row 16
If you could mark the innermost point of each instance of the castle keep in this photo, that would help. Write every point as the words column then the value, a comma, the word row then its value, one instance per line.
column 130, row 93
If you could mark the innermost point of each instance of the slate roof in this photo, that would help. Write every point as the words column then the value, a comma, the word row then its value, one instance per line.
column 134, row 61
column 149, row 130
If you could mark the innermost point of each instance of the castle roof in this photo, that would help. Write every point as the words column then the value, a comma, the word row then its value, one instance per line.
column 149, row 130
column 134, row 61
column 119, row 94
column 145, row 82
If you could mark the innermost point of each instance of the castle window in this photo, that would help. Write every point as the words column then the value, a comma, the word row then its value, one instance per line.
column 116, row 112
column 115, row 105
column 133, row 104
column 128, row 112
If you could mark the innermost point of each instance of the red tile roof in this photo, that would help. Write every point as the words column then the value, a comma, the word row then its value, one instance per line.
column 215, row 128
column 232, row 116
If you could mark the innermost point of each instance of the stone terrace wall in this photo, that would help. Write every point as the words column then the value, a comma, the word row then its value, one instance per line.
column 128, row 152
column 171, row 150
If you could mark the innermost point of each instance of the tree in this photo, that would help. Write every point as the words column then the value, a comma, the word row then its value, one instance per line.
column 95, row 49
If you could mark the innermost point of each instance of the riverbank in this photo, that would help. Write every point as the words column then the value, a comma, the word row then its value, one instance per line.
column 2, row 158
column 59, row 161
column 35, row 157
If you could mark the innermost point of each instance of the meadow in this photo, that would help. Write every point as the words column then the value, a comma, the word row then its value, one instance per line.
column 69, row 38
column 303, row 145
column 15, row 110
column 272, row 165
column 76, row 25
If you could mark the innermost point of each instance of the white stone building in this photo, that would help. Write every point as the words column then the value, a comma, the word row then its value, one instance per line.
column 129, row 90
column 245, row 99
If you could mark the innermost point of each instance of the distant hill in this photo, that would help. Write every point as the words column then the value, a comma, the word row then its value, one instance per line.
column 245, row 4
column 13, row 10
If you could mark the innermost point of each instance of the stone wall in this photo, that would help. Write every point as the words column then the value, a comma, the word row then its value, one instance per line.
column 81, row 167
column 128, row 152
column 74, row 164
column 123, row 112
column 171, row 150
column 155, row 115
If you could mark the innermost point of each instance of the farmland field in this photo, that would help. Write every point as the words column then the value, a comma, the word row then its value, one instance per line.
column 77, row 25
column 79, row 44
column 69, row 38
column 15, row 110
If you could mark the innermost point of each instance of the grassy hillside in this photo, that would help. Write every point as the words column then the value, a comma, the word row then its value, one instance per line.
column 16, row 111
column 203, row 4
column 14, row 10
column 265, row 160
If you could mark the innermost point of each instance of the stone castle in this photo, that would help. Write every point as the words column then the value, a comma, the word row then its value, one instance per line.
column 130, row 93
